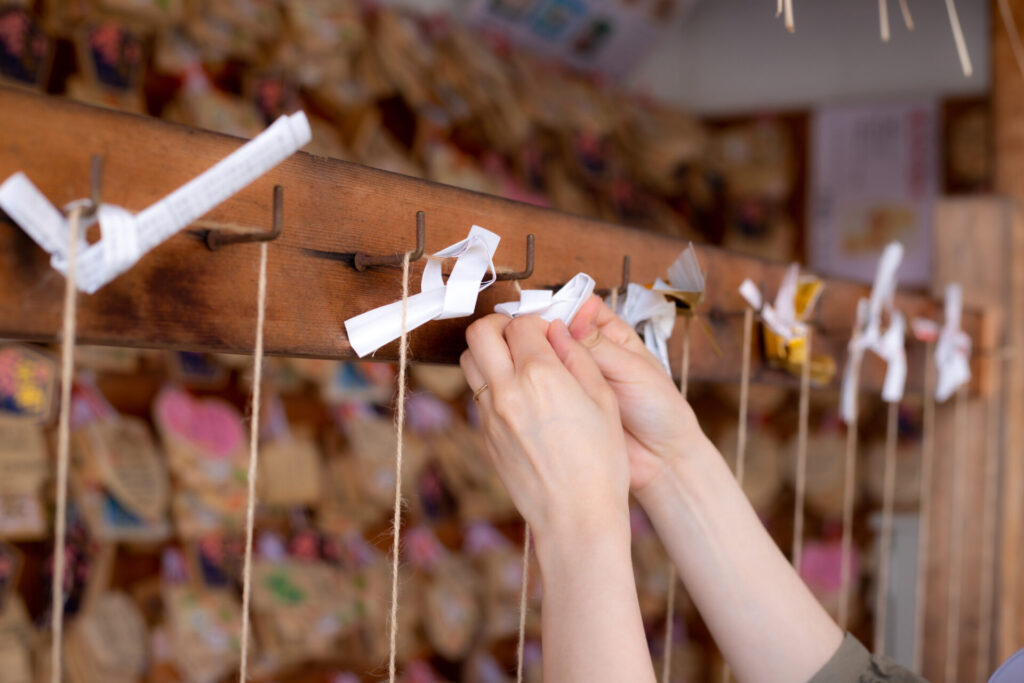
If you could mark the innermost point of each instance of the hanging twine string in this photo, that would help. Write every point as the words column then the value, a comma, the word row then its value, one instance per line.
column 396, row 524
column 670, row 598
column 741, row 433
column 908, row 20
column 956, row 534
column 958, row 38
column 892, row 429
column 924, row 525
column 523, row 594
column 986, row 590
column 801, row 454
column 848, row 499
column 67, row 371
column 254, row 437
column 1010, row 24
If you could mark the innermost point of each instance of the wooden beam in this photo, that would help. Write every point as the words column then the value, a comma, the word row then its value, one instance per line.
column 1008, row 139
column 183, row 296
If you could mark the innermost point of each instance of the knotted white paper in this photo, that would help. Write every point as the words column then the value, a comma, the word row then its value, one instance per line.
column 652, row 315
column 127, row 237
column 561, row 305
column 781, row 317
column 685, row 279
column 953, row 348
column 868, row 335
column 436, row 300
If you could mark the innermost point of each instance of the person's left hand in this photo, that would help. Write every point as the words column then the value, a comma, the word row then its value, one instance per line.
column 550, row 421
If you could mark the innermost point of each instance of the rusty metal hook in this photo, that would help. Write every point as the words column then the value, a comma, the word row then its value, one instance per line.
column 525, row 272
column 217, row 235
column 621, row 289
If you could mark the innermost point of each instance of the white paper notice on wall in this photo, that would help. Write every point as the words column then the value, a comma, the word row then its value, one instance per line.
column 652, row 315
column 436, row 300
column 126, row 237
column 561, row 305
column 953, row 348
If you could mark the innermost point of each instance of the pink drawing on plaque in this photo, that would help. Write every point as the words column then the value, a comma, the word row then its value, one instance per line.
column 212, row 424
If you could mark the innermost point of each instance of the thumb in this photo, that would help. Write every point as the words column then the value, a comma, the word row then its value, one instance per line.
column 615, row 346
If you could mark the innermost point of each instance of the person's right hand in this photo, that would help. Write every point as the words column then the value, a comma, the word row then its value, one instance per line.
column 658, row 421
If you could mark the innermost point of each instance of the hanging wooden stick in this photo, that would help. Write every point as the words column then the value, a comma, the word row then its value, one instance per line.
column 986, row 590
column 960, row 444
column 908, row 20
column 1010, row 24
column 254, row 437
column 924, row 525
column 523, row 604
column 67, row 373
column 789, row 16
column 801, row 454
column 848, row 500
column 883, row 20
column 958, row 38
column 396, row 524
column 670, row 599
column 892, row 428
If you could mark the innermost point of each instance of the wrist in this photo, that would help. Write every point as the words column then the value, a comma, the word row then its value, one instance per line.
column 574, row 536
column 683, row 462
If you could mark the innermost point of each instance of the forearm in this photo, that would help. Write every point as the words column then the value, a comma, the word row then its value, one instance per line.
column 766, row 622
column 592, row 629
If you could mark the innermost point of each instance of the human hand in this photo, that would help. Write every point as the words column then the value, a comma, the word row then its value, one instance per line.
column 659, row 423
column 550, row 422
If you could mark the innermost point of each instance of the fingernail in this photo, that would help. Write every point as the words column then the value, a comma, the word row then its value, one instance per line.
column 592, row 336
column 559, row 328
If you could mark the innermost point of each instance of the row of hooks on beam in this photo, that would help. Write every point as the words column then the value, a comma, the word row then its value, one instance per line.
column 215, row 234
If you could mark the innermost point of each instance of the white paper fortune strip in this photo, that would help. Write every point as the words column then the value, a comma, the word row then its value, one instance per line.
column 561, row 305
column 780, row 317
column 868, row 335
column 685, row 278
column 652, row 315
column 369, row 331
column 126, row 237
column 953, row 348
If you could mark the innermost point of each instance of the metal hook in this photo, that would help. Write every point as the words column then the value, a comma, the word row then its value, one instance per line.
column 363, row 261
column 525, row 272
column 217, row 235
column 621, row 289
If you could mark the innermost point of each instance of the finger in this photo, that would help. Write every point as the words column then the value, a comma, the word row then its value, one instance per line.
column 595, row 317
column 490, row 351
column 475, row 378
column 580, row 364
column 528, row 342
column 615, row 346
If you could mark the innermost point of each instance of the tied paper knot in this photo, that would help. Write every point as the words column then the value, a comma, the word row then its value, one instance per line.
column 436, row 300
column 781, row 318
column 868, row 335
column 652, row 315
column 561, row 305
column 953, row 348
column 127, row 237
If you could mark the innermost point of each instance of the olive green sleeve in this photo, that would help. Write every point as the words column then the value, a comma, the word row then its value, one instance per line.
column 852, row 663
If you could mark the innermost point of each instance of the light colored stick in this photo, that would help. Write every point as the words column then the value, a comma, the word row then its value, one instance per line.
column 67, row 375
column 741, row 430
column 956, row 536
column 883, row 20
column 396, row 524
column 924, row 524
column 523, row 605
column 892, row 430
column 254, row 439
column 908, row 20
column 790, row 26
column 848, row 500
column 958, row 38
column 801, row 454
